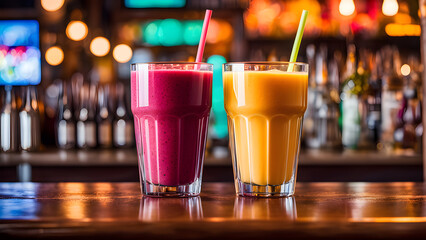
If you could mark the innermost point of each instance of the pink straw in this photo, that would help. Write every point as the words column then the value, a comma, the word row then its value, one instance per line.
column 202, row 43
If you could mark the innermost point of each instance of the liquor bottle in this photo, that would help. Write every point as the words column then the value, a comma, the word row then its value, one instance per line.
column 354, row 85
column 407, row 119
column 416, row 69
column 325, row 132
column 86, row 124
column 366, row 140
column 374, row 98
column 65, row 129
column 77, row 81
column 29, row 119
column 332, row 96
column 104, row 118
column 392, row 96
column 123, row 123
column 419, row 127
column 308, row 134
column 9, row 122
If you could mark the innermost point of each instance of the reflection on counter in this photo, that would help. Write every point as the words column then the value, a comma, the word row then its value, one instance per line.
column 247, row 208
column 313, row 202
column 154, row 209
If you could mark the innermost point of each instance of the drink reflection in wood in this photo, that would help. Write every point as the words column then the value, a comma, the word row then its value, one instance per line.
column 156, row 209
column 265, row 208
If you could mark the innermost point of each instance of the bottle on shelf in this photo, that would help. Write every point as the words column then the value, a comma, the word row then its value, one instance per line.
column 123, row 123
column 366, row 141
column 104, row 118
column 392, row 97
column 416, row 69
column 332, row 96
column 86, row 124
column 77, row 81
column 308, row 134
column 405, row 136
column 323, row 109
column 419, row 126
column 29, row 119
column 65, row 124
column 9, row 122
column 373, row 101
column 353, row 87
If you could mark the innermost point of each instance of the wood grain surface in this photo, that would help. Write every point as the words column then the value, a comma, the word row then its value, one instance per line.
column 119, row 211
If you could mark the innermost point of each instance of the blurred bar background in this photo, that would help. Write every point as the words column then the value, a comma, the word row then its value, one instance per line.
column 65, row 76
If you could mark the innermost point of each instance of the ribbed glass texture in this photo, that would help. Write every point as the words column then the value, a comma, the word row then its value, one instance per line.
column 171, row 104
column 265, row 103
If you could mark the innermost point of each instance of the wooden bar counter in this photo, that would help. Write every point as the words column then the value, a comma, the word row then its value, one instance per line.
column 118, row 211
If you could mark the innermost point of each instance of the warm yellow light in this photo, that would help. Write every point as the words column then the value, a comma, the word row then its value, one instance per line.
column 390, row 7
column 54, row 56
column 405, row 70
column 403, row 18
column 99, row 46
column 413, row 30
column 52, row 5
column 346, row 7
column 393, row 29
column 122, row 53
column 76, row 30
column 398, row 30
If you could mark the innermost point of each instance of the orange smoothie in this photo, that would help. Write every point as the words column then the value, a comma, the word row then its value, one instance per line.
column 265, row 111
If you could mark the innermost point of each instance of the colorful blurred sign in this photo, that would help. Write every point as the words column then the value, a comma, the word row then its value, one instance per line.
column 172, row 32
column 220, row 121
column 19, row 52
column 154, row 3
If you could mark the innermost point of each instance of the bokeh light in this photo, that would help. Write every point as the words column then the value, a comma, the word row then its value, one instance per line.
column 405, row 70
column 76, row 30
column 390, row 7
column 346, row 7
column 54, row 56
column 170, row 32
column 192, row 32
column 277, row 19
column 52, row 5
column 150, row 33
column 99, row 46
column 399, row 30
column 154, row 4
column 122, row 53
column 220, row 124
column 219, row 31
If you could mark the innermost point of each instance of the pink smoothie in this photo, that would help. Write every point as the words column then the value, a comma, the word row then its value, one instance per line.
column 171, row 110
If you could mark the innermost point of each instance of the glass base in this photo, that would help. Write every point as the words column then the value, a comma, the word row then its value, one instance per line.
column 157, row 190
column 254, row 190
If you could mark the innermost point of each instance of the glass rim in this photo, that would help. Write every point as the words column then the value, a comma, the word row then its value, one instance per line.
column 171, row 63
column 276, row 63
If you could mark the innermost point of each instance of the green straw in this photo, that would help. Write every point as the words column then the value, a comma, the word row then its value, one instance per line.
column 298, row 39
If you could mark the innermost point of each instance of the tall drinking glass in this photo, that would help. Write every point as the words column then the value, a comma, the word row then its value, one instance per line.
column 171, row 104
column 265, row 103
